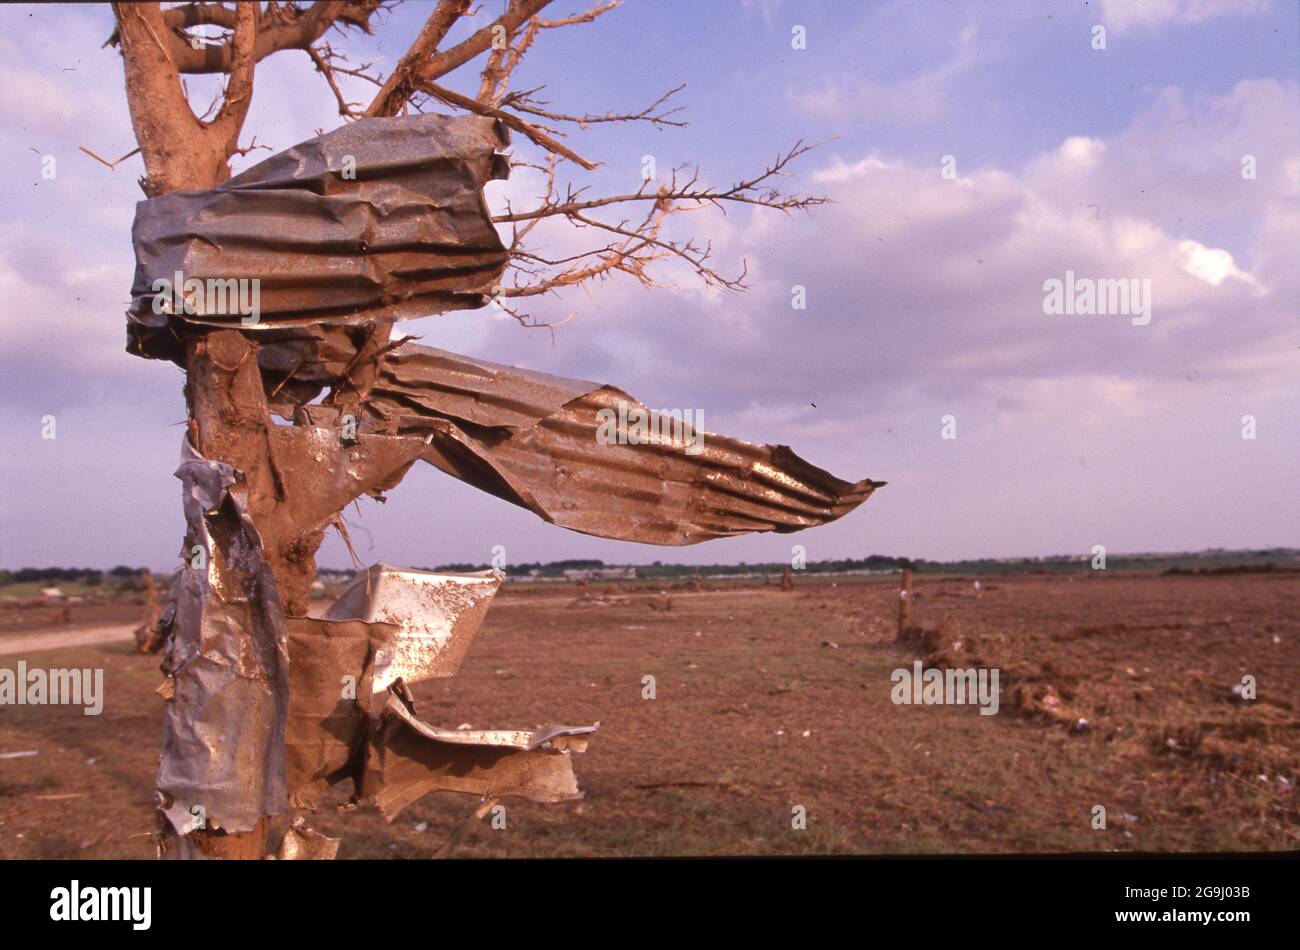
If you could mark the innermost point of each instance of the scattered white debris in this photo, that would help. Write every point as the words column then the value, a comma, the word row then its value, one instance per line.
column 422, row 826
column 807, row 733
column 780, row 732
column 19, row 755
column 465, row 725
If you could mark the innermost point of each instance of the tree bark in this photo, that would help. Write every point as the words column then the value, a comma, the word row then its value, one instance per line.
column 228, row 419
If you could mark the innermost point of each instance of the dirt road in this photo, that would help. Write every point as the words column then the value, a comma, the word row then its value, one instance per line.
column 65, row 639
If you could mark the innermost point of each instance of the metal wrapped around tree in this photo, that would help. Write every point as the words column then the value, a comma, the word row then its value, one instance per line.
column 382, row 219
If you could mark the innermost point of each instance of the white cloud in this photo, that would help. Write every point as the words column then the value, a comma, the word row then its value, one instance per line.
column 1211, row 264
column 1150, row 14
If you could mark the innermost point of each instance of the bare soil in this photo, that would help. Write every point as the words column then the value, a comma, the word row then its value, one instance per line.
column 766, row 700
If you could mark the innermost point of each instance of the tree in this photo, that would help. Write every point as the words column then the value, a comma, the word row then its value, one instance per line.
column 228, row 397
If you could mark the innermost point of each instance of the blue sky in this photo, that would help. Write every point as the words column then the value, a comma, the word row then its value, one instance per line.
column 924, row 293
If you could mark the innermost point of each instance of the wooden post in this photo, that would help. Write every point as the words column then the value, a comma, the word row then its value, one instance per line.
column 904, row 602
column 787, row 580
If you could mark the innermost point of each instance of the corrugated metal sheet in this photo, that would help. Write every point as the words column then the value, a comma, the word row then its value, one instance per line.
column 381, row 219
column 532, row 439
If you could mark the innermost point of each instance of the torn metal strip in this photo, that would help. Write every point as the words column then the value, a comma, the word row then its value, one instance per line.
column 532, row 439
column 222, row 763
column 410, row 758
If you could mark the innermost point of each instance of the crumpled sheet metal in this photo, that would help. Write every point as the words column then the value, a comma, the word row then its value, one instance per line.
column 302, row 843
column 227, row 661
column 410, row 758
column 435, row 615
column 530, row 439
column 351, row 716
column 330, row 690
column 380, row 219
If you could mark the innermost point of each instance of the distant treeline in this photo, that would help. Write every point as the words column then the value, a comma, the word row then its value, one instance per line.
column 1212, row 561
column 67, row 575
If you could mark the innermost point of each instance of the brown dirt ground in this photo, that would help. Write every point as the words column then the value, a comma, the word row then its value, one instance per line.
column 24, row 620
column 715, row 763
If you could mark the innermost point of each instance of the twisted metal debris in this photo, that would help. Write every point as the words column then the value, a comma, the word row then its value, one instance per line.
column 379, row 221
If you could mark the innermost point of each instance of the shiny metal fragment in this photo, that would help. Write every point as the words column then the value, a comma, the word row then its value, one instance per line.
column 222, row 764
column 302, row 843
column 435, row 616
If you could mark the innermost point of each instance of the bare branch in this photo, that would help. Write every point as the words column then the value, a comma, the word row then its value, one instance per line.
column 421, row 63
column 513, row 121
column 743, row 192
column 134, row 151
column 329, row 63
column 397, row 88
column 282, row 26
column 523, row 102
column 239, row 91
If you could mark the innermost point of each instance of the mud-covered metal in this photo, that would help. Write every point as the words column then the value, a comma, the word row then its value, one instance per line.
column 542, row 442
column 330, row 698
column 410, row 758
column 381, row 219
column 303, row 843
column 340, row 236
column 351, row 719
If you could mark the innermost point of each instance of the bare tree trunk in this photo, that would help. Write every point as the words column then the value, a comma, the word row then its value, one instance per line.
column 225, row 400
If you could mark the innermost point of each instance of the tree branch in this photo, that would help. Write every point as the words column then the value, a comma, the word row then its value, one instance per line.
column 513, row 121
column 422, row 63
column 281, row 27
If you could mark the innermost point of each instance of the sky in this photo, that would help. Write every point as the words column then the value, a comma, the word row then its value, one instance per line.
column 972, row 152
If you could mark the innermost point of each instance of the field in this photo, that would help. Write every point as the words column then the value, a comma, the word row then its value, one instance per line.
column 1116, row 690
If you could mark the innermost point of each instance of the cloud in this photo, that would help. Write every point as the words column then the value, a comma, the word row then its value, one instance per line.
column 916, row 98
column 924, row 290
column 1152, row 14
